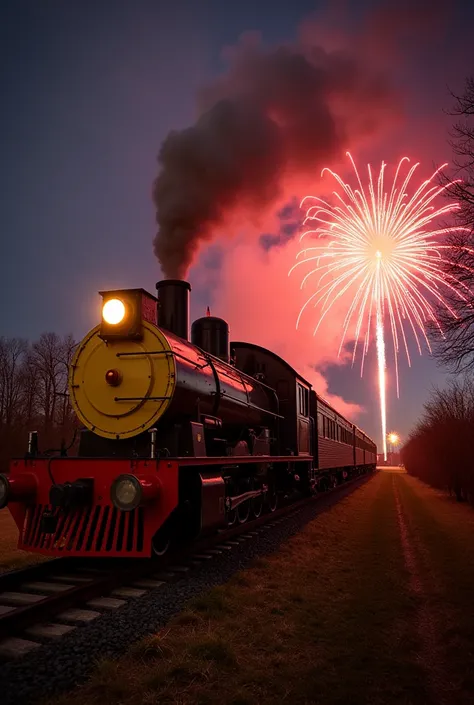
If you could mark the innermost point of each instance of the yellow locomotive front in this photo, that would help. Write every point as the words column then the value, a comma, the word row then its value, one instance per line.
column 123, row 376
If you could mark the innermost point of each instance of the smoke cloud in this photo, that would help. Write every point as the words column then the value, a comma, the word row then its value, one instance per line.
column 277, row 116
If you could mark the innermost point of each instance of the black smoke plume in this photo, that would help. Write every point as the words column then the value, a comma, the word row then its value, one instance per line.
column 277, row 114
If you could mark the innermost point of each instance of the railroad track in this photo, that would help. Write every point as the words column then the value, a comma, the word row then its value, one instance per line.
column 44, row 602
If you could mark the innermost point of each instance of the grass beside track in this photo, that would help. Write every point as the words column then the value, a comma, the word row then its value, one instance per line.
column 10, row 557
column 369, row 604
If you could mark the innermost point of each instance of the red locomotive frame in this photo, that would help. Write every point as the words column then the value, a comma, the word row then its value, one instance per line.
column 100, row 529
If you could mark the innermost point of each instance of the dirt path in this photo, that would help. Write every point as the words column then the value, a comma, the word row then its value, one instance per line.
column 437, row 536
column 421, row 583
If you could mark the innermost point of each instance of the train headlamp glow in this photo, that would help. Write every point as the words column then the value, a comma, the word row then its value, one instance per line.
column 113, row 311
column 126, row 492
column 4, row 491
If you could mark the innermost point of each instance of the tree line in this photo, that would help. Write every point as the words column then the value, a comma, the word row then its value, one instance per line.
column 33, row 394
column 440, row 449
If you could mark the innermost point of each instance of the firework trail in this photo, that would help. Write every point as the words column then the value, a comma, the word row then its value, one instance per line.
column 383, row 248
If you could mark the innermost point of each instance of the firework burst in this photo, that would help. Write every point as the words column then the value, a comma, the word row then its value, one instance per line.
column 381, row 249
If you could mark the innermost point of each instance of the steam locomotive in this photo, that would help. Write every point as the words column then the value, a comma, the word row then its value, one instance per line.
column 178, row 438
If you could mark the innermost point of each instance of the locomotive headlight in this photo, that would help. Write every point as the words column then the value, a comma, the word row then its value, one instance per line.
column 128, row 491
column 113, row 311
column 123, row 313
column 125, row 492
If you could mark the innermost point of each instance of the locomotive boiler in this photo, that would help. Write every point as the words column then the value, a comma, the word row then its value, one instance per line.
column 129, row 376
column 181, row 435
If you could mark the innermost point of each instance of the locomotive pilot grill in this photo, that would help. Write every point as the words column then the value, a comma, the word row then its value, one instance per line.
column 180, row 437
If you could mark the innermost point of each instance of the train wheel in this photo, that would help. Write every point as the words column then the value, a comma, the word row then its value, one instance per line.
column 272, row 498
column 231, row 517
column 160, row 543
column 257, row 506
column 243, row 512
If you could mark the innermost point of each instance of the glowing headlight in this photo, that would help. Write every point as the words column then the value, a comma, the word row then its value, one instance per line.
column 113, row 311
column 126, row 492
column 4, row 491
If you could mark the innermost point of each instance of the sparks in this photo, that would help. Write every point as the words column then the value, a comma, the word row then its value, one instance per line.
column 382, row 248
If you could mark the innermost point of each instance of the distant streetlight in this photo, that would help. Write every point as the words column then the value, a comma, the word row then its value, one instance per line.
column 393, row 439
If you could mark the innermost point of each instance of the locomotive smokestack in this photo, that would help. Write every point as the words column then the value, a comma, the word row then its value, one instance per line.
column 173, row 306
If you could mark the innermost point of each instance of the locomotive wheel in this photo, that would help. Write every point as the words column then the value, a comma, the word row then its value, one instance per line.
column 160, row 543
column 257, row 506
column 243, row 512
column 231, row 517
column 272, row 498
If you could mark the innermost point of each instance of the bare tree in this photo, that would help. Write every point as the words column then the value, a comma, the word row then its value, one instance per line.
column 68, row 346
column 51, row 358
column 12, row 353
column 34, row 393
column 30, row 389
column 456, row 349
column 46, row 359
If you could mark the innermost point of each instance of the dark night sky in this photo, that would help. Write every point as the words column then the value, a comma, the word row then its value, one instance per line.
column 89, row 91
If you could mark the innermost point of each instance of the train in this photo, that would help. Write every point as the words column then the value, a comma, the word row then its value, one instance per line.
column 180, row 434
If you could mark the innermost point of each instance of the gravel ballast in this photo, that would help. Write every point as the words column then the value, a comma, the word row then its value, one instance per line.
column 59, row 666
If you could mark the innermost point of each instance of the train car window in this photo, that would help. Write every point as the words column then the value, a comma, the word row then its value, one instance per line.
column 320, row 424
column 303, row 400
